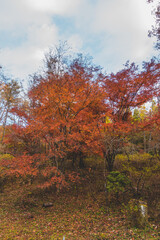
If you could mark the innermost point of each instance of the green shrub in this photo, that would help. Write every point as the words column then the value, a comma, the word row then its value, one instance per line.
column 140, row 169
column 117, row 183
column 6, row 156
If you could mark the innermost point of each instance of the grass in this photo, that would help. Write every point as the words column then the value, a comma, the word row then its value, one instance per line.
column 78, row 213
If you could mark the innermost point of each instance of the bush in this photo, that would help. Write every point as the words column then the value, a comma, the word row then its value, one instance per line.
column 3, row 177
column 5, row 156
column 117, row 183
column 143, row 172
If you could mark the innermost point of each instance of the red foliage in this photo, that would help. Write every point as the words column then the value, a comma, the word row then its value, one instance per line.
column 124, row 91
column 131, row 88
column 67, row 114
column 61, row 119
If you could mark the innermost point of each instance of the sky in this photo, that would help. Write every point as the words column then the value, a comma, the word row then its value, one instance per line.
column 111, row 31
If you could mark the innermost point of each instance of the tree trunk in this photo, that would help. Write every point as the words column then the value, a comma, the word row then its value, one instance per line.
column 4, row 126
column 81, row 161
column 144, row 142
column 110, row 159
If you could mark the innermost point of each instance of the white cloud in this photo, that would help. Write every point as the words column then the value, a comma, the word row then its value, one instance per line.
column 16, row 15
column 32, row 19
column 39, row 32
column 26, row 58
column 123, row 27
column 75, row 42
column 59, row 7
column 119, row 16
column 22, row 60
column 43, row 35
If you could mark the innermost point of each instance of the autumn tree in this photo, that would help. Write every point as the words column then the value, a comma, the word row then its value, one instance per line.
column 63, row 113
column 126, row 90
column 9, row 97
column 73, row 109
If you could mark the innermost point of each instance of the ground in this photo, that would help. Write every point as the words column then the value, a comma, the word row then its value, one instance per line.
column 77, row 213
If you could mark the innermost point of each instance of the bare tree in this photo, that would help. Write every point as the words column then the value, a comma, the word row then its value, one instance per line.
column 9, row 92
